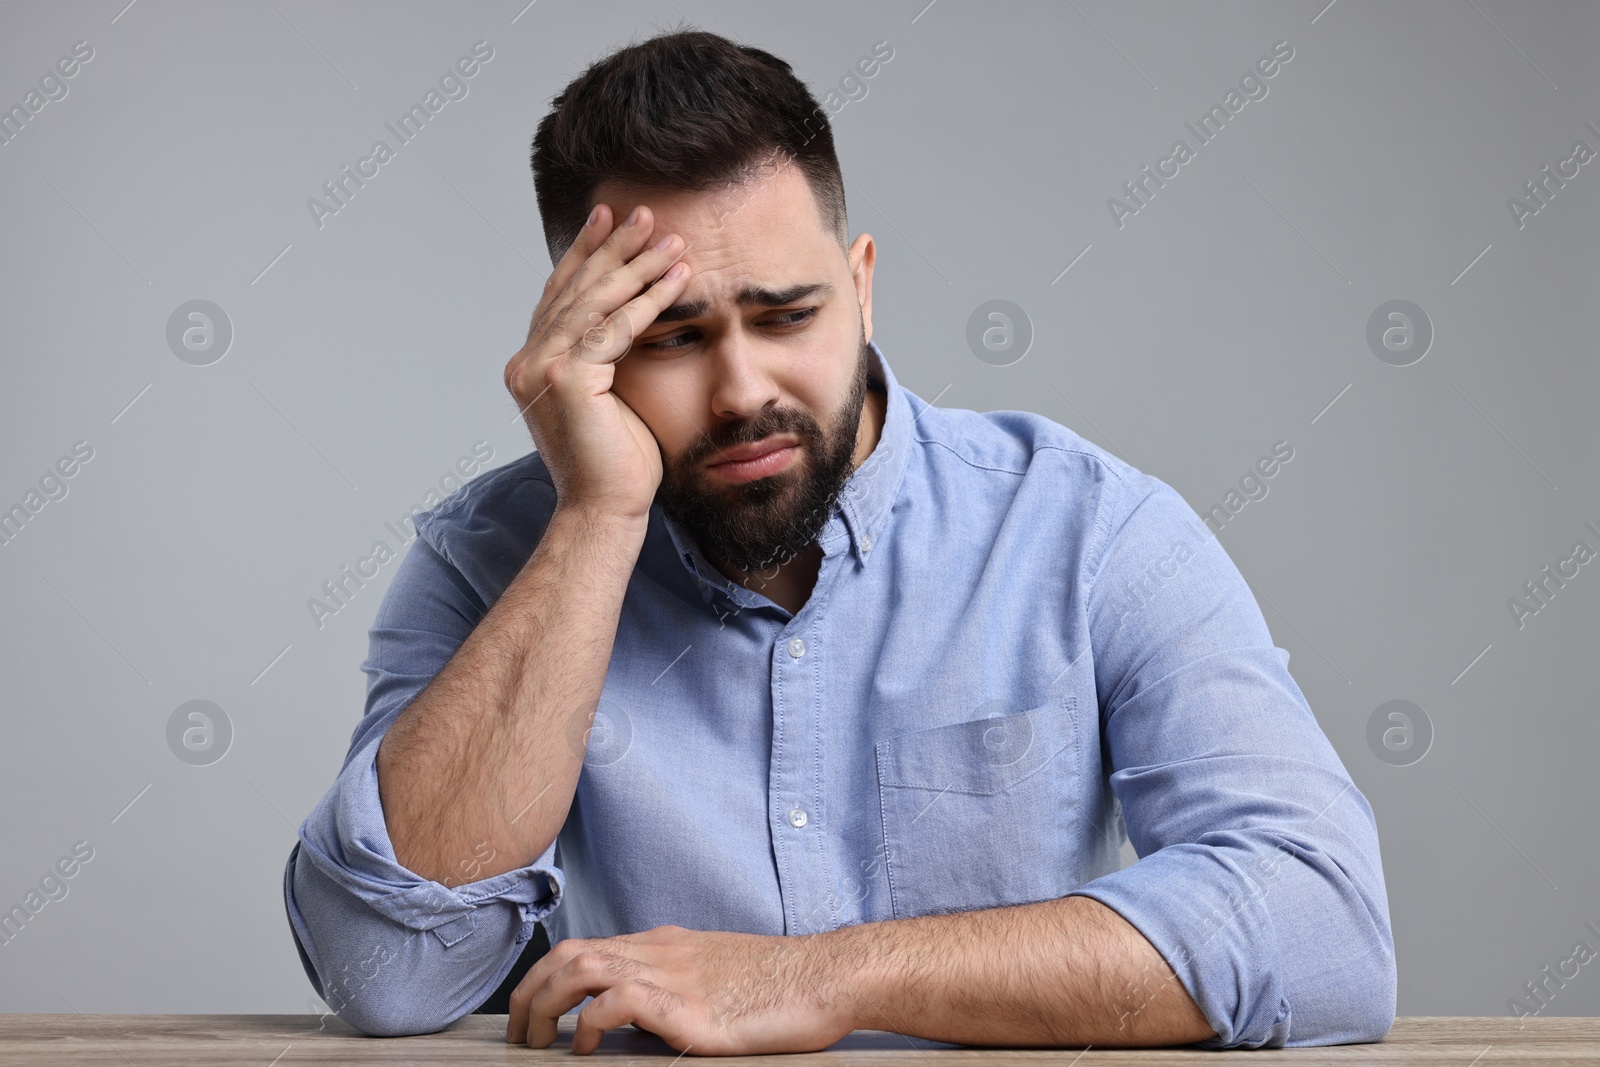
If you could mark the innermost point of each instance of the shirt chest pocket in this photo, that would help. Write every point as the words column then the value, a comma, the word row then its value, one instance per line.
column 981, row 814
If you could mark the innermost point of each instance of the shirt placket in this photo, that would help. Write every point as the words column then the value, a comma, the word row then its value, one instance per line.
column 797, row 817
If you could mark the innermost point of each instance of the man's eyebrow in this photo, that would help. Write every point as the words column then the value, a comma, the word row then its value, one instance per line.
column 749, row 296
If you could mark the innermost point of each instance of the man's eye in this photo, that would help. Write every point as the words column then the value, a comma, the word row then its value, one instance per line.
column 795, row 318
column 788, row 320
column 664, row 345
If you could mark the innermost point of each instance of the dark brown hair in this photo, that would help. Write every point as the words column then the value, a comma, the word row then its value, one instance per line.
column 687, row 110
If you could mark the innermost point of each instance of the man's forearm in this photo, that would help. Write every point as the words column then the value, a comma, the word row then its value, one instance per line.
column 477, row 774
column 1059, row 973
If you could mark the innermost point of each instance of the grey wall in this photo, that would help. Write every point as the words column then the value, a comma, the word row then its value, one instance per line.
column 1228, row 313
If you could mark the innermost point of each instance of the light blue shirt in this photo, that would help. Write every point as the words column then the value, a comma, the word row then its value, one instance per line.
column 1020, row 652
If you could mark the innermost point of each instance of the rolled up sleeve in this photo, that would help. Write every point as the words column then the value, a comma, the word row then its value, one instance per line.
column 391, row 952
column 1260, row 879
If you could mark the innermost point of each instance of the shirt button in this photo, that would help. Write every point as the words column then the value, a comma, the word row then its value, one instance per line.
column 797, row 648
column 797, row 817
column 866, row 543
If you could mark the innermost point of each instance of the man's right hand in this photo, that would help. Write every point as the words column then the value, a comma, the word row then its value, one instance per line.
column 601, row 456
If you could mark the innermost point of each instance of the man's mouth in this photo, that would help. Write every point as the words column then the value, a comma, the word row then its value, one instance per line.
column 759, row 459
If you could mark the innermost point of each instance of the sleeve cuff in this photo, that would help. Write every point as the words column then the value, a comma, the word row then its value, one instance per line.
column 346, row 837
column 1206, row 916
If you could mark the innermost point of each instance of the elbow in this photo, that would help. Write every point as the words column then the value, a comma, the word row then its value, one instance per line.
column 1349, row 997
column 1355, row 1006
column 1372, row 999
column 394, row 1020
column 370, row 996
column 1353, row 1003
column 1363, row 1012
column 388, row 994
column 396, row 960
column 1370, row 983
column 374, row 973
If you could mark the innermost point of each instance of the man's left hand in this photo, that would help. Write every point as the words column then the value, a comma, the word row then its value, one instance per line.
column 706, row 992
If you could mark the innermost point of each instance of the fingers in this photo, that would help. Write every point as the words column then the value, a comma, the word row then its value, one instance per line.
column 609, row 337
column 603, row 318
column 536, row 1026
column 638, row 1001
column 589, row 238
column 614, row 267
column 535, row 1008
column 594, row 232
column 536, row 978
column 585, row 334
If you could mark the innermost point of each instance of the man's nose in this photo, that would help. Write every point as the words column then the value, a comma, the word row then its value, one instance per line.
column 743, row 385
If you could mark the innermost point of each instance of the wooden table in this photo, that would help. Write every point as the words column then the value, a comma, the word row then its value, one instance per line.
column 297, row 1041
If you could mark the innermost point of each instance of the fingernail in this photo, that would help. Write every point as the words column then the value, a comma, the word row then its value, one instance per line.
column 594, row 216
column 659, row 245
column 633, row 217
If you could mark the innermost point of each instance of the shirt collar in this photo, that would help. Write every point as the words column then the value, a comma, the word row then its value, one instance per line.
column 870, row 492
column 861, row 512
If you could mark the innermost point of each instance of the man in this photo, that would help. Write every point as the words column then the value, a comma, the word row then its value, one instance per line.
column 791, row 704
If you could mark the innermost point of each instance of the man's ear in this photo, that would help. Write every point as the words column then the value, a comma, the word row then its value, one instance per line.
column 862, row 257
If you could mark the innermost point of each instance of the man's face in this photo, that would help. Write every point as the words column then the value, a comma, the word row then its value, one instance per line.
column 766, row 346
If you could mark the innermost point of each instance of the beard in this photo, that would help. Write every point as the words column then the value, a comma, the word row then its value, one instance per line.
column 765, row 523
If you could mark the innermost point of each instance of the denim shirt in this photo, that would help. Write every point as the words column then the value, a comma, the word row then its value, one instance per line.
column 1020, row 653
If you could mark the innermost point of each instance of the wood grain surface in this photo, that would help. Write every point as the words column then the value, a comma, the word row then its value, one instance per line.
column 301, row 1040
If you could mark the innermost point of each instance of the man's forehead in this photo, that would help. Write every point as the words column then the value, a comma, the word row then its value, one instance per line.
column 767, row 211
column 750, row 245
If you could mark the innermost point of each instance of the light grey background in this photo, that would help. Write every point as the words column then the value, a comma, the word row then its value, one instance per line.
column 1227, row 315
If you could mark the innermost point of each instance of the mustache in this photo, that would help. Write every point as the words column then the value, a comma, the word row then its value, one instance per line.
column 769, row 422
